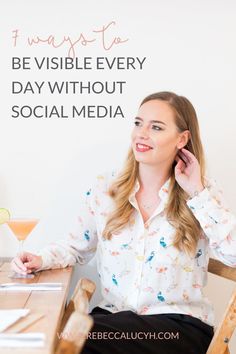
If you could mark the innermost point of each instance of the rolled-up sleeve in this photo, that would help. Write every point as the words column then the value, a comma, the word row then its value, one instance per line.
column 81, row 242
column 217, row 222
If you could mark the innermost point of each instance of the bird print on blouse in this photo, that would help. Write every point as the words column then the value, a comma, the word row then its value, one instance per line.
column 161, row 269
column 126, row 246
column 114, row 280
column 88, row 192
column 185, row 296
column 162, row 242
column 186, row 268
column 86, row 235
column 114, row 253
column 139, row 268
column 149, row 258
column 173, row 285
column 140, row 257
column 124, row 273
column 160, row 297
column 198, row 254
column 149, row 289
column 216, row 222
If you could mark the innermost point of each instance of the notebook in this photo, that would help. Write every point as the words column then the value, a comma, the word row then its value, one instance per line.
column 30, row 340
column 30, row 286
column 8, row 317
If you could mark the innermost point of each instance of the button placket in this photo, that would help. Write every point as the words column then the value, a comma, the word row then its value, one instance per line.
column 140, row 253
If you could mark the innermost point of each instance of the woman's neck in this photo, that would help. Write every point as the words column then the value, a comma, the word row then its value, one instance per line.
column 151, row 177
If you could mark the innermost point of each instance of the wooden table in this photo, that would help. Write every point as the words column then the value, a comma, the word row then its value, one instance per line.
column 50, row 303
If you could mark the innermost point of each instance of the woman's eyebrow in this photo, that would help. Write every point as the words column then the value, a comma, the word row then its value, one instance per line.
column 151, row 121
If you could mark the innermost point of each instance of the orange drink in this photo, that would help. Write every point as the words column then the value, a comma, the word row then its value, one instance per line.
column 21, row 228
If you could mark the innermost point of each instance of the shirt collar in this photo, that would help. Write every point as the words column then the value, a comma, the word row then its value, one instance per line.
column 163, row 192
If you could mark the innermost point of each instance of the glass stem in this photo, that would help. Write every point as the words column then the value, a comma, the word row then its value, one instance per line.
column 21, row 249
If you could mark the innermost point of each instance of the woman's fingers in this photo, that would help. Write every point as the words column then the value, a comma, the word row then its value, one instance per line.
column 34, row 263
column 18, row 266
column 184, row 157
column 180, row 165
column 183, row 163
column 177, row 158
column 30, row 265
column 189, row 155
column 26, row 263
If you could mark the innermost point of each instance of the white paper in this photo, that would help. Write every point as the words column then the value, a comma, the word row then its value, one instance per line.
column 30, row 286
column 8, row 317
column 32, row 340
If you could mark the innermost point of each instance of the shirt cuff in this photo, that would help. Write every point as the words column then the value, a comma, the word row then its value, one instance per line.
column 46, row 261
column 198, row 201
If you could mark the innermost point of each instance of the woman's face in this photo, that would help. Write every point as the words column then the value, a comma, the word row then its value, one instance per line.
column 155, row 138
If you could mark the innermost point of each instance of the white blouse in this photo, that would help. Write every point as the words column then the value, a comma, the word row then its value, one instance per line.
column 139, row 268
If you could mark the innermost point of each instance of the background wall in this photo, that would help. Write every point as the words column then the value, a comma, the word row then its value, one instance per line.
column 45, row 164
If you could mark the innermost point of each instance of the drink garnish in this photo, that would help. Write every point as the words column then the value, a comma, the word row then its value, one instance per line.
column 4, row 215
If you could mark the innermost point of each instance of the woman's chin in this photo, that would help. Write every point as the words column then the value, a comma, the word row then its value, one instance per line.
column 143, row 159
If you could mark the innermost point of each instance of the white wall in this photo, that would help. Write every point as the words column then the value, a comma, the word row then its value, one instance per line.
column 46, row 164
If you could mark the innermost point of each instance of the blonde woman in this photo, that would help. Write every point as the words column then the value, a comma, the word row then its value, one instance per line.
column 152, row 224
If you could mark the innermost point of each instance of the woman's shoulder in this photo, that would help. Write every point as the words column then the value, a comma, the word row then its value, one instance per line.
column 104, row 179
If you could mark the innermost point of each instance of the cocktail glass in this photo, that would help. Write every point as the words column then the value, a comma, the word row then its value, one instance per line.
column 21, row 228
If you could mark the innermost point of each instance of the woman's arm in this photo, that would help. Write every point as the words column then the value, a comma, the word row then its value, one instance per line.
column 217, row 222
column 80, row 244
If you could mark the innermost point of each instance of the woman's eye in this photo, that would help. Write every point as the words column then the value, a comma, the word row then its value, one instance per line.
column 136, row 123
column 155, row 127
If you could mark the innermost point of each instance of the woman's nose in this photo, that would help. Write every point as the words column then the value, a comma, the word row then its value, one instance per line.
column 143, row 132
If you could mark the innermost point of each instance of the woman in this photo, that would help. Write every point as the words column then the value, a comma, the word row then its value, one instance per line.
column 152, row 224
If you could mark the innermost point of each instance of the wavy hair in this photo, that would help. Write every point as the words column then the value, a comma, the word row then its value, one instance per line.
column 187, row 228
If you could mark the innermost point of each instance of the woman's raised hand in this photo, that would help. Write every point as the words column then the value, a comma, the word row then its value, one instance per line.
column 187, row 172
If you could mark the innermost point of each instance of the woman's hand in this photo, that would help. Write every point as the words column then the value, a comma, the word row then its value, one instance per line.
column 187, row 172
column 26, row 263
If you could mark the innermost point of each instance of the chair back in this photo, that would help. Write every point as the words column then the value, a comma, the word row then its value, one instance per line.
column 226, row 327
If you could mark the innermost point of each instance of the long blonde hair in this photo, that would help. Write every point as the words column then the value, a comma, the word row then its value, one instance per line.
column 178, row 213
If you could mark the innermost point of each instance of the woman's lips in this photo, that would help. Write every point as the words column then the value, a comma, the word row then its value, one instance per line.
column 142, row 147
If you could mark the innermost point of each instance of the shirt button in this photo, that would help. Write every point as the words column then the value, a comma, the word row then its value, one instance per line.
column 146, row 225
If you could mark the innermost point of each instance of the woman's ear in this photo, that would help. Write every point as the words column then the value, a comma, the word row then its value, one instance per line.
column 183, row 140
